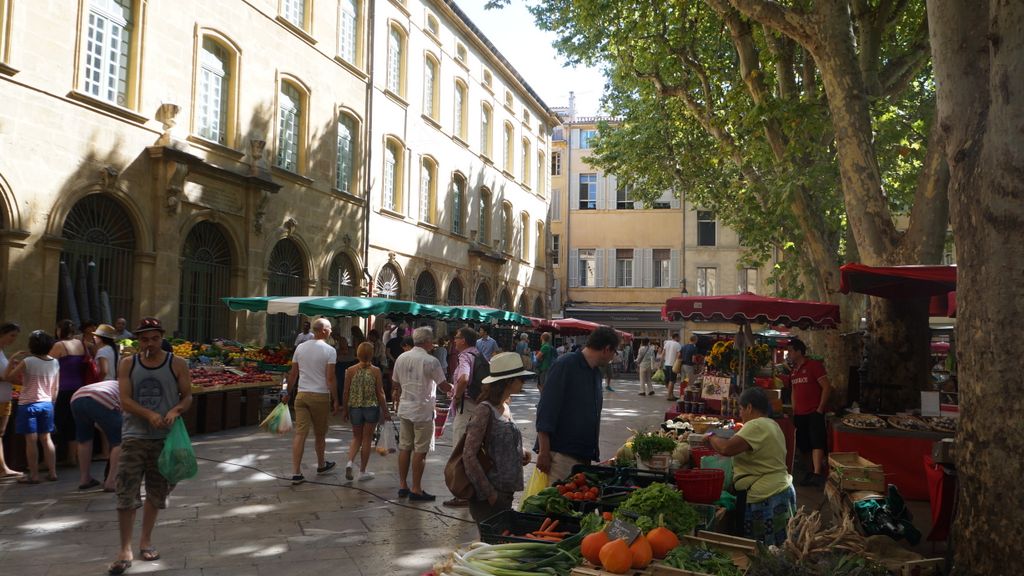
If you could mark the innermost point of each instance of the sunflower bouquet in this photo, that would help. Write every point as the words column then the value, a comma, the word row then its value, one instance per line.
column 723, row 356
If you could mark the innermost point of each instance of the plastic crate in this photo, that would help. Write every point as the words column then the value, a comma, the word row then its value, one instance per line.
column 492, row 528
column 264, row 367
column 701, row 486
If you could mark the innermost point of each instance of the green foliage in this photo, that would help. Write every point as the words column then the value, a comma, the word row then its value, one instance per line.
column 645, row 506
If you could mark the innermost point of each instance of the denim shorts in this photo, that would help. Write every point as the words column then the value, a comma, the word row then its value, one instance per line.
column 365, row 415
column 88, row 414
column 34, row 418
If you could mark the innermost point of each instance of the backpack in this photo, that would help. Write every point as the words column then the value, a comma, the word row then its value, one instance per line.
column 481, row 370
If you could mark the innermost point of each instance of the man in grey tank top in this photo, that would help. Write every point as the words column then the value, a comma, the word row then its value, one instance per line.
column 156, row 389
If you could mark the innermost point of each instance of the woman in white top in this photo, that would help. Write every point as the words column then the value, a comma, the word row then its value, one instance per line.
column 8, row 334
column 645, row 358
column 106, row 351
column 39, row 375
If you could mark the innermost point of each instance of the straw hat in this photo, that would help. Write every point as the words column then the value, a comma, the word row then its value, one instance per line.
column 506, row 365
column 105, row 331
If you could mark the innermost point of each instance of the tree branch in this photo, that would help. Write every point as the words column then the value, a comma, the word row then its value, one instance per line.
column 784, row 20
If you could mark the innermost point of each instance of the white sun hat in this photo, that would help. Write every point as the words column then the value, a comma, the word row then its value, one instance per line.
column 506, row 365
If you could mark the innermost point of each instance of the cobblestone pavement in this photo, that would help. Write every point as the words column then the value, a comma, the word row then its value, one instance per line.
column 240, row 515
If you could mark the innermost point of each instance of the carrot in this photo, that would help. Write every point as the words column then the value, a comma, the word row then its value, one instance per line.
column 550, row 527
column 544, row 525
column 507, row 532
column 554, row 534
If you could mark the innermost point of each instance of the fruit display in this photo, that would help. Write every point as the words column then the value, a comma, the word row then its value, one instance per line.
column 213, row 377
column 578, row 488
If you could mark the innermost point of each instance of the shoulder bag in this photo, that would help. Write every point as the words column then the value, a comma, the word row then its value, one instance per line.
column 455, row 477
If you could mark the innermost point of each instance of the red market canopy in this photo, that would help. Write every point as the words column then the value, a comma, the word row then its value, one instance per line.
column 897, row 281
column 749, row 308
column 574, row 327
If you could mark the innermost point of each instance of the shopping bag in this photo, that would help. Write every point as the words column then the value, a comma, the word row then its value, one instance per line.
column 723, row 463
column 659, row 376
column 538, row 481
column 177, row 460
column 386, row 443
column 279, row 420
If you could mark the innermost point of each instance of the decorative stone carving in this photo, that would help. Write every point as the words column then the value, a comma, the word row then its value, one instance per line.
column 346, row 240
column 289, row 226
column 176, row 186
column 261, row 212
column 167, row 114
column 257, row 165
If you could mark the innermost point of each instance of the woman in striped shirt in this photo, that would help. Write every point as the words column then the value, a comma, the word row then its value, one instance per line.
column 99, row 405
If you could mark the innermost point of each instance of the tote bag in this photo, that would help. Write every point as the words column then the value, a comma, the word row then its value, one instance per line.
column 455, row 477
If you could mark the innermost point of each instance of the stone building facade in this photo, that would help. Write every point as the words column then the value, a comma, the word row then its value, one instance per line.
column 156, row 157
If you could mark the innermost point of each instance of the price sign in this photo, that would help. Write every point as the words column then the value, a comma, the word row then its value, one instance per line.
column 622, row 529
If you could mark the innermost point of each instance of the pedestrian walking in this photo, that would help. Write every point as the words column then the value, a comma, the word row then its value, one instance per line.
column 364, row 405
column 39, row 375
column 311, row 381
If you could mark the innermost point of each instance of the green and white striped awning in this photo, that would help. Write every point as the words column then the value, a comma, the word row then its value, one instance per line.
column 364, row 307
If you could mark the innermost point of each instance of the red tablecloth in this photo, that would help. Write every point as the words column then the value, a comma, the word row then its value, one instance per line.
column 788, row 430
column 941, row 496
column 899, row 453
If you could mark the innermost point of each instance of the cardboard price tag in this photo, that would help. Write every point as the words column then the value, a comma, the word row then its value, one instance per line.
column 622, row 529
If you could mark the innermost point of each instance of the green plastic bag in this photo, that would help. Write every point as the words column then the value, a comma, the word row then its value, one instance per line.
column 177, row 460
column 659, row 376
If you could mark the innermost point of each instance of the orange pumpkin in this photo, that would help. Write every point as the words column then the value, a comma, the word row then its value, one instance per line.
column 642, row 553
column 591, row 546
column 662, row 540
column 616, row 557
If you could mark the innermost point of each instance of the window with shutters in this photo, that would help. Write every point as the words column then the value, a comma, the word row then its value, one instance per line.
column 556, row 163
column 396, row 60
column 394, row 154
column 707, row 281
column 706, row 228
column 587, row 267
column 662, row 258
column 526, row 163
column 556, row 204
column 556, row 249
column 345, row 177
column 586, row 139
column 291, row 127
column 108, row 51
column 430, row 88
column 215, row 88
column 623, row 197
column 428, row 189
column 748, row 280
column 485, row 129
column 348, row 30
column 588, row 191
column 624, row 268
column 458, row 204
column 461, row 110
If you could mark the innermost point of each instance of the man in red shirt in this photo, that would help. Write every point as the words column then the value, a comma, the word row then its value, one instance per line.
column 810, row 401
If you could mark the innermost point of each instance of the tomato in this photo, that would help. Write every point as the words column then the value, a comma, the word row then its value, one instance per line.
column 607, row 516
column 580, row 478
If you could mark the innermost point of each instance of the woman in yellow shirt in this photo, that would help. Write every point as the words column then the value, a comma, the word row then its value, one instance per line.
column 762, row 484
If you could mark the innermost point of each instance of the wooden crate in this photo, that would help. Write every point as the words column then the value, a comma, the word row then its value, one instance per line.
column 232, row 409
column 851, row 472
column 591, row 570
column 926, row 567
column 737, row 548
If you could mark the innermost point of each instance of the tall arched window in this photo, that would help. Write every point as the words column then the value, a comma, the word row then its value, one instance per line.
column 505, row 301
column 430, row 87
column 394, row 164
column 215, row 92
column 509, row 154
column 483, row 295
column 524, row 231
column 538, row 307
column 456, row 297
column 342, row 277
column 388, row 283
column 291, row 127
column 286, row 276
column 461, row 110
column 99, row 254
column 522, row 307
column 540, row 242
column 458, row 204
column 485, row 129
column 346, row 163
column 539, row 187
column 348, row 31
column 109, row 54
column 428, row 190
column 507, row 227
column 484, row 224
column 426, row 289
column 396, row 60
column 526, row 163
column 205, row 279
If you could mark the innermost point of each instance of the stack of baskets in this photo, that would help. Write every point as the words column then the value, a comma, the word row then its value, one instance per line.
column 700, row 486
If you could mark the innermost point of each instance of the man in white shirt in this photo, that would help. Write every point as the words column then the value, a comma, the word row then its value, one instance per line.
column 312, row 381
column 304, row 336
column 417, row 375
column 671, row 349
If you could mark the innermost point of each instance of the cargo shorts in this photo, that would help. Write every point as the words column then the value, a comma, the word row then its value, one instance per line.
column 139, row 458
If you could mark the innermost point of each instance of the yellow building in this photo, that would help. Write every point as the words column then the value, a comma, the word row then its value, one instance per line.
column 616, row 261
column 158, row 156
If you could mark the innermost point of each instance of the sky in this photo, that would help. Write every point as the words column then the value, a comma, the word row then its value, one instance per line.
column 513, row 31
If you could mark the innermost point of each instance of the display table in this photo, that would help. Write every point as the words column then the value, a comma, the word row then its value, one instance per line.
column 899, row 453
column 788, row 431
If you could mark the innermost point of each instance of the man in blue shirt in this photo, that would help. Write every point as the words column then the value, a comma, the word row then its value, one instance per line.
column 485, row 344
column 569, row 412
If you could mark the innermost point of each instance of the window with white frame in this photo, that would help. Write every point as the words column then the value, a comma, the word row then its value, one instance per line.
column 348, row 30
column 707, row 281
column 346, row 154
column 458, row 203
column 540, row 173
column 539, row 258
column 509, row 148
column 662, row 267
column 294, row 11
column 556, row 163
column 526, row 163
column 526, row 117
column 460, row 52
column 586, row 138
column 624, row 267
column 623, row 197
column 432, row 25
column 461, row 110
column 393, row 164
column 430, row 99
column 588, row 191
column 214, row 91
column 706, row 228
column 556, row 249
column 506, row 228
column 508, row 98
column 587, row 267
column 485, row 129
column 396, row 60
column 488, row 78
column 290, row 120
column 428, row 189
column 107, row 50
column 748, row 280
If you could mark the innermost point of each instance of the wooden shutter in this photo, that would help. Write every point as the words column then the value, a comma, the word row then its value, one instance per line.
column 574, row 268
column 674, row 269
column 638, row 268
column 611, row 280
column 599, row 267
column 647, row 255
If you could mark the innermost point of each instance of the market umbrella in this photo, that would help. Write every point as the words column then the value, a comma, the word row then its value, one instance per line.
column 746, row 308
column 334, row 306
column 625, row 336
column 574, row 326
column 897, row 282
column 486, row 314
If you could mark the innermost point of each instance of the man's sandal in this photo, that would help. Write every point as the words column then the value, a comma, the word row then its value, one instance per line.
column 149, row 554
column 119, row 567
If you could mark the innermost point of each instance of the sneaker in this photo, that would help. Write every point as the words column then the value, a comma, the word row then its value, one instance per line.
column 609, row 388
column 298, row 479
column 348, row 471
column 366, row 476
column 642, row 394
column 422, row 497
column 327, row 467
column 651, row 393
column 403, row 492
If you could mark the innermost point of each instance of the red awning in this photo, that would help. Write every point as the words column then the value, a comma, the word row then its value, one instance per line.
column 574, row 326
column 751, row 308
column 897, row 281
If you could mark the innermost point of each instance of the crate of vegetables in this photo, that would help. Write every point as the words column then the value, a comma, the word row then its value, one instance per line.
column 511, row 526
column 708, row 554
column 614, row 476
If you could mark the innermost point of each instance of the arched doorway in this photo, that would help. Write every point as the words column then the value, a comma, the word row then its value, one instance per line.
column 286, row 277
column 523, row 308
column 538, row 307
column 205, row 279
column 505, row 301
column 426, row 289
column 483, row 295
column 97, row 262
column 456, row 296
column 388, row 284
column 341, row 278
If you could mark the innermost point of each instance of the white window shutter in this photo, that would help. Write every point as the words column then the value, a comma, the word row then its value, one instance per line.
column 574, row 268
column 599, row 204
column 612, row 280
column 647, row 255
column 598, row 267
column 574, row 138
column 674, row 269
column 638, row 268
column 674, row 203
column 556, row 205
